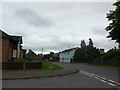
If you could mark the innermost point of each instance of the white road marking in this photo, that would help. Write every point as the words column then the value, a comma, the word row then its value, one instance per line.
column 90, row 75
column 118, row 83
column 112, row 81
column 86, row 74
column 96, row 77
column 111, row 84
column 103, row 80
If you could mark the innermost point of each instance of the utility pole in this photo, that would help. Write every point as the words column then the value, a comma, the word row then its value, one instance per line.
column 73, row 41
column 42, row 50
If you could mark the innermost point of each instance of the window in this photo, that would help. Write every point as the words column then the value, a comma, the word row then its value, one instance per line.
column 68, row 53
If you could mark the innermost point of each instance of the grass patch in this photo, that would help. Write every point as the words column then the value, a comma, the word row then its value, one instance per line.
column 45, row 67
column 48, row 66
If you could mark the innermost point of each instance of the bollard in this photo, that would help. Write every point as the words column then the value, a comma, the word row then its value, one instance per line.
column 51, row 66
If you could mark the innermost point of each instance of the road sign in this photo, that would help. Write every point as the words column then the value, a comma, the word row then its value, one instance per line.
column 101, row 51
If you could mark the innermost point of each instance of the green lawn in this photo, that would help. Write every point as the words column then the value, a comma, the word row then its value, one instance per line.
column 46, row 67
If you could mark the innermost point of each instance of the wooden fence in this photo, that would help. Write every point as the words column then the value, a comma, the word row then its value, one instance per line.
column 21, row 66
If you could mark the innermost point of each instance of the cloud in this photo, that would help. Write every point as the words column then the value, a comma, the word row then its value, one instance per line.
column 57, row 26
column 99, row 31
column 33, row 18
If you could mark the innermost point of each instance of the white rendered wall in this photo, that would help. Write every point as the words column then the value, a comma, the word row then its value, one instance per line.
column 67, row 56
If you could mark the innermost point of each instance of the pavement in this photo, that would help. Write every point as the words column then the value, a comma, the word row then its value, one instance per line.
column 38, row 74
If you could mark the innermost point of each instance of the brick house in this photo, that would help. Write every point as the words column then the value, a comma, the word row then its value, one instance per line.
column 11, row 47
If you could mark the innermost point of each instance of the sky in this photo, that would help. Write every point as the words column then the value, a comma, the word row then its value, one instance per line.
column 56, row 26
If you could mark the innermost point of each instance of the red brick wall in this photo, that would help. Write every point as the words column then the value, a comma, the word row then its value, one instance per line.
column 5, row 50
column 0, row 50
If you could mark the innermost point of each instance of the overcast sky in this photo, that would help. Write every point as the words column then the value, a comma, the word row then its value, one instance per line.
column 57, row 26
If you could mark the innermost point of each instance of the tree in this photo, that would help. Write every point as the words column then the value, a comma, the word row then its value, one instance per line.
column 86, row 53
column 83, row 44
column 51, row 54
column 79, row 55
column 92, row 53
column 114, row 26
column 90, row 42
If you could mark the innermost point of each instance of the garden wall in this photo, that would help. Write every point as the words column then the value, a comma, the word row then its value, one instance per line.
column 21, row 66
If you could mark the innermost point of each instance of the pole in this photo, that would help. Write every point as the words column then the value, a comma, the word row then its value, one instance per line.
column 101, row 59
column 42, row 50
column 101, row 53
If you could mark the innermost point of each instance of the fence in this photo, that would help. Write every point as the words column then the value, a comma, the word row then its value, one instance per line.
column 21, row 66
column 108, row 62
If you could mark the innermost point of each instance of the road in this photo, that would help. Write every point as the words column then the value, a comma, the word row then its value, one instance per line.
column 90, row 76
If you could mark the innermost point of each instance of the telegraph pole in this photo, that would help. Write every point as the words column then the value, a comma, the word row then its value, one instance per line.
column 42, row 50
column 73, row 41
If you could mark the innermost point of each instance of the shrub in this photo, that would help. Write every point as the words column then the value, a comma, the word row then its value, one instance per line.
column 31, row 58
column 20, row 60
column 112, row 54
column 112, row 58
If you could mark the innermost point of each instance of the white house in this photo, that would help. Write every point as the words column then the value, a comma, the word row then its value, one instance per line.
column 67, row 55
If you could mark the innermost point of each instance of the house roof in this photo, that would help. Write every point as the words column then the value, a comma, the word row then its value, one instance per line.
column 14, row 38
column 3, row 34
column 67, row 50
column 31, row 53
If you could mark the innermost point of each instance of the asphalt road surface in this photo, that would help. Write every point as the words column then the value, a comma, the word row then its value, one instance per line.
column 90, row 76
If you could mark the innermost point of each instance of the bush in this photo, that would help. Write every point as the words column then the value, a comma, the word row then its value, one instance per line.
column 111, row 58
column 20, row 60
column 112, row 54
column 31, row 58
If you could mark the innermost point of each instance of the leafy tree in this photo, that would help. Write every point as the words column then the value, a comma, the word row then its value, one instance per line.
column 51, row 54
column 83, row 44
column 47, row 56
column 92, row 53
column 86, row 53
column 111, row 54
column 56, row 58
column 90, row 42
column 79, row 55
column 114, row 26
